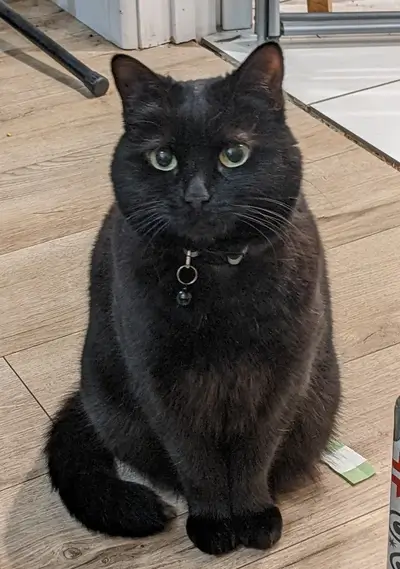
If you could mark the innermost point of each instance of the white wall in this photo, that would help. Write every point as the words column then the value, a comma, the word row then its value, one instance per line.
column 132, row 24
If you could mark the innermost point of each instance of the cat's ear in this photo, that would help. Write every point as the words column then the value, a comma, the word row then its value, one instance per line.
column 130, row 75
column 264, row 67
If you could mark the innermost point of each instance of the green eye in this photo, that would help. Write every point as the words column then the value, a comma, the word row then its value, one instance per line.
column 163, row 159
column 234, row 156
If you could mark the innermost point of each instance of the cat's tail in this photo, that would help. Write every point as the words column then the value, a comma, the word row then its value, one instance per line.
column 82, row 471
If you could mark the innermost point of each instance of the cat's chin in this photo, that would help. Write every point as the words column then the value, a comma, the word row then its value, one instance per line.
column 202, row 235
column 212, row 236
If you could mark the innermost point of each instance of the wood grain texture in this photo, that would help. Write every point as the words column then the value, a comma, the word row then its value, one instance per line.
column 344, row 5
column 51, row 369
column 32, row 515
column 43, row 291
column 22, row 424
column 54, row 134
column 319, row 5
column 347, row 546
column 317, row 140
column 56, row 197
column 364, row 276
column 361, row 195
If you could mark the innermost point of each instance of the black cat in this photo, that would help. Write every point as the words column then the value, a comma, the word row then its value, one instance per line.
column 208, row 364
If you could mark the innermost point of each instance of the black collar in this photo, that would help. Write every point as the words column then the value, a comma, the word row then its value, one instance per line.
column 218, row 257
column 187, row 273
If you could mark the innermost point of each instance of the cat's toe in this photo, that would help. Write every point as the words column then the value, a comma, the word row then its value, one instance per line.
column 211, row 536
column 261, row 530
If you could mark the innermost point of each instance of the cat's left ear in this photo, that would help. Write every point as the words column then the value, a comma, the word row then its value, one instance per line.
column 264, row 67
column 131, row 76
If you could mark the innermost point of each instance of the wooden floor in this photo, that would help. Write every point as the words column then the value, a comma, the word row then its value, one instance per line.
column 55, row 151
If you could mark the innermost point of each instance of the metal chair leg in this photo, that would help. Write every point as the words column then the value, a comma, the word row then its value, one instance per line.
column 96, row 83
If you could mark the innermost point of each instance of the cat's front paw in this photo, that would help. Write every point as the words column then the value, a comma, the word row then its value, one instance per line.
column 211, row 536
column 261, row 530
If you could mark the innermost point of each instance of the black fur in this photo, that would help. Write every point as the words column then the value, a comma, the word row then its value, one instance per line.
column 230, row 400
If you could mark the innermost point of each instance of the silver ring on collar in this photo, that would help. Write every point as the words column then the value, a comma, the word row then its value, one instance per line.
column 187, row 275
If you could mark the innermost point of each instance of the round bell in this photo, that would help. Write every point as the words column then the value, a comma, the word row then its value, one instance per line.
column 183, row 297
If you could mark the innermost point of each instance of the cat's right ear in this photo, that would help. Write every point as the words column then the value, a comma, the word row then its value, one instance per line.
column 264, row 67
column 130, row 75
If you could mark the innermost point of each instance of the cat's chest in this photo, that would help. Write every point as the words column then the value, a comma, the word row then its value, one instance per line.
column 221, row 320
column 230, row 394
column 226, row 317
column 201, row 339
column 227, row 320
column 218, row 376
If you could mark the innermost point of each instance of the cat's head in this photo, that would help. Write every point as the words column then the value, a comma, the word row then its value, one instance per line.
column 206, row 160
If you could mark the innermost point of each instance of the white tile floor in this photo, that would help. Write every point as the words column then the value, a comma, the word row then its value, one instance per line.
column 316, row 73
column 372, row 115
column 354, row 84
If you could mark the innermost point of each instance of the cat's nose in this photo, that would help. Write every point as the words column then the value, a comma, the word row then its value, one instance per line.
column 197, row 194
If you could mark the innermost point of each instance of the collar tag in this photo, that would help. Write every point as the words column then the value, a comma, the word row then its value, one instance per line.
column 237, row 259
column 186, row 275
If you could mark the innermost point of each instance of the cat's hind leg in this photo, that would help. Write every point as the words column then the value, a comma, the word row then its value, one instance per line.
column 298, row 458
column 82, row 471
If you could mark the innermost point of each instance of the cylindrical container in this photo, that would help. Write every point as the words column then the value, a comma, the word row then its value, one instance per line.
column 394, row 516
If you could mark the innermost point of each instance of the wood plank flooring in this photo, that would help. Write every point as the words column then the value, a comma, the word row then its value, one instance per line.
column 56, row 145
